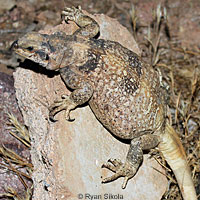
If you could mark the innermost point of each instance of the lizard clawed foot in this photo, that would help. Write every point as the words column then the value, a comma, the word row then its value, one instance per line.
column 64, row 104
column 121, row 170
column 71, row 13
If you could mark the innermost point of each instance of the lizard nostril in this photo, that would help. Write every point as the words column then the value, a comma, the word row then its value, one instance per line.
column 47, row 57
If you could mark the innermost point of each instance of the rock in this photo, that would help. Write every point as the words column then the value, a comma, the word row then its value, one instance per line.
column 67, row 156
column 6, row 5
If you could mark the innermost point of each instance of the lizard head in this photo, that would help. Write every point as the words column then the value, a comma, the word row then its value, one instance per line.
column 38, row 48
column 53, row 51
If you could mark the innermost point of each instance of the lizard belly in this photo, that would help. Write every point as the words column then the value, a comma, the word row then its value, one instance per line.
column 124, row 115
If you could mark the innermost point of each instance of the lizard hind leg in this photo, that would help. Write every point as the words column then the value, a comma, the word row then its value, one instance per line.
column 133, row 160
column 121, row 170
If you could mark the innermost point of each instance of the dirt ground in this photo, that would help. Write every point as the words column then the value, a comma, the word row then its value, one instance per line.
column 167, row 32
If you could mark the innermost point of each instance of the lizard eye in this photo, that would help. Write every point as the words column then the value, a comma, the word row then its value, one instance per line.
column 14, row 45
column 30, row 48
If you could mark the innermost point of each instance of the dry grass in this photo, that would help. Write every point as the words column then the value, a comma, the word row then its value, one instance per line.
column 19, row 131
column 15, row 163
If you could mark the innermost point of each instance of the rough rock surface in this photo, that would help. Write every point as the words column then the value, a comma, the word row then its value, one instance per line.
column 67, row 156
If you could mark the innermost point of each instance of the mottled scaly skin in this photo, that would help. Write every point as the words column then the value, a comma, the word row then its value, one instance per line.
column 126, row 95
column 123, row 92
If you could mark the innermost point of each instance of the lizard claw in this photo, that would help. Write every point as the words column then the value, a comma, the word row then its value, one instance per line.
column 71, row 13
column 64, row 104
column 121, row 170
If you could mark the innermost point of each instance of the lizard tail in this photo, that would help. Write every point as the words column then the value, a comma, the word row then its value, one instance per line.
column 174, row 153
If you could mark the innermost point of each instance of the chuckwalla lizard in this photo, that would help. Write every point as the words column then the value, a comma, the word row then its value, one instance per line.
column 124, row 93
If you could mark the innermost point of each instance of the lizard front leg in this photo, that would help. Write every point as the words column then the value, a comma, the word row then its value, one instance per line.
column 88, row 26
column 133, row 160
column 81, row 94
